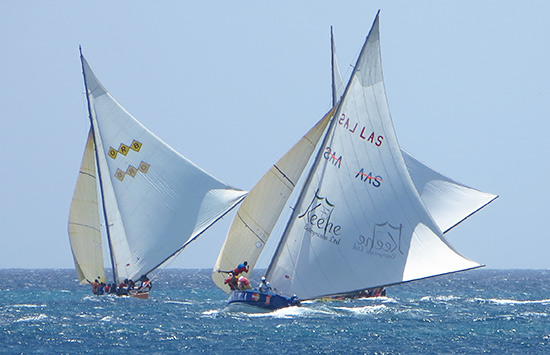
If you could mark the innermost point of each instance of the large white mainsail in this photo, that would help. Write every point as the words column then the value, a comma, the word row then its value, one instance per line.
column 84, row 225
column 155, row 201
column 359, row 221
column 448, row 201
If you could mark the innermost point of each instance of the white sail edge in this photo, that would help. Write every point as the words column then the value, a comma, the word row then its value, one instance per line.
column 84, row 226
column 260, row 210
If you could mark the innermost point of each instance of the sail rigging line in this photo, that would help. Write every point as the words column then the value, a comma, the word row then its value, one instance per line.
column 468, row 216
column 100, row 180
column 198, row 234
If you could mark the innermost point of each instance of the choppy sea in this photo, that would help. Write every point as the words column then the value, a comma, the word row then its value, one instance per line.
column 480, row 311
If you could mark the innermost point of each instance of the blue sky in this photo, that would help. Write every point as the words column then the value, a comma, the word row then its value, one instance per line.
column 233, row 85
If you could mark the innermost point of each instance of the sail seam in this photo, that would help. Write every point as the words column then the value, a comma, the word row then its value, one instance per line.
column 250, row 228
column 86, row 173
column 284, row 175
column 84, row 225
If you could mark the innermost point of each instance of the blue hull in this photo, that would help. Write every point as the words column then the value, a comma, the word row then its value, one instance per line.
column 266, row 301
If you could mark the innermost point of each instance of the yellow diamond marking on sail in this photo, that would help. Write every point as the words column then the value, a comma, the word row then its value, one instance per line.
column 131, row 171
column 112, row 152
column 123, row 149
column 144, row 167
column 135, row 145
column 119, row 174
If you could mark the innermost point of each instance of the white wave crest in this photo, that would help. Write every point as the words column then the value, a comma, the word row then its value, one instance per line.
column 507, row 302
column 37, row 318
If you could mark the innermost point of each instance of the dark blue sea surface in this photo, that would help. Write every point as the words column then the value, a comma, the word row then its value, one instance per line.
column 480, row 311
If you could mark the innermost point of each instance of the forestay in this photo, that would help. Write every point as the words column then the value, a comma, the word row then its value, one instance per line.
column 360, row 222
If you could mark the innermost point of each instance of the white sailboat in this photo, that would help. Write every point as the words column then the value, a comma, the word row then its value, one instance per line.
column 152, row 200
column 357, row 219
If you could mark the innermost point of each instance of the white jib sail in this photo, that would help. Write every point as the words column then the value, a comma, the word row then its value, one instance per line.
column 84, row 225
column 448, row 201
column 157, row 201
column 360, row 222
column 263, row 205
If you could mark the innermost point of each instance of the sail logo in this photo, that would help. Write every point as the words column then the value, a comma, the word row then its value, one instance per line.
column 318, row 217
column 124, row 149
column 331, row 157
column 374, row 181
column 362, row 132
column 385, row 241
column 130, row 170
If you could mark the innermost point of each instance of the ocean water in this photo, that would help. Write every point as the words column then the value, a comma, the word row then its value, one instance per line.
column 480, row 311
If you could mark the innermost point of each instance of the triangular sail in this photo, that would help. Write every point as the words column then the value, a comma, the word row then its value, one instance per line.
column 261, row 209
column 84, row 225
column 448, row 201
column 359, row 222
column 156, row 200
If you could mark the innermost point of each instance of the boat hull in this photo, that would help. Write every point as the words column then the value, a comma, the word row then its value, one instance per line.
column 140, row 295
column 265, row 301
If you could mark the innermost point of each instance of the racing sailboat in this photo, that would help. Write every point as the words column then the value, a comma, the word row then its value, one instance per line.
column 152, row 200
column 352, row 217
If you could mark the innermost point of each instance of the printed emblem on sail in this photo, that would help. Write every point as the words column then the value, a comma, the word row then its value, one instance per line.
column 123, row 149
column 318, row 219
column 385, row 241
column 144, row 167
column 113, row 152
column 370, row 178
column 332, row 158
column 120, row 174
column 354, row 128
column 136, row 146
column 131, row 171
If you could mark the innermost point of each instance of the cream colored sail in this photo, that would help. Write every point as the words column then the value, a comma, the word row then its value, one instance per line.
column 261, row 209
column 84, row 225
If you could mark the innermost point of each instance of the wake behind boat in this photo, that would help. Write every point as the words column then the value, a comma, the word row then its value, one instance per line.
column 351, row 215
column 146, row 200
